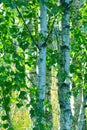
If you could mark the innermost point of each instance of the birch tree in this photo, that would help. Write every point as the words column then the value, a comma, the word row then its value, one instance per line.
column 78, row 34
column 64, row 83
column 42, row 53
column 42, row 66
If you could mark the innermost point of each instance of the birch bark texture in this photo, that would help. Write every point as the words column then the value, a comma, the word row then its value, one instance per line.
column 42, row 57
column 64, row 83
column 42, row 50
column 81, row 117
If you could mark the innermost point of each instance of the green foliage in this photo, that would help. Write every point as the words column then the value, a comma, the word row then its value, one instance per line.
column 5, row 126
column 4, row 118
column 18, row 54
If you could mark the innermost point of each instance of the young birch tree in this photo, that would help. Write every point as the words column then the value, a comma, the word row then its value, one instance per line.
column 42, row 66
column 42, row 52
column 64, row 83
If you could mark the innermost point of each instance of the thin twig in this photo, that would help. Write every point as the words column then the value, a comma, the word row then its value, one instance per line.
column 50, row 32
column 30, row 81
column 29, row 32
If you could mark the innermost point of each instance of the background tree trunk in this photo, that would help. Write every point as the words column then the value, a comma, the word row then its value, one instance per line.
column 48, row 107
column 81, row 119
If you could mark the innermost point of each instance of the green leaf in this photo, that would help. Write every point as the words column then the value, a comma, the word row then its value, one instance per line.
column 10, row 128
column 22, row 95
column 19, row 105
column 5, row 125
column 7, row 100
column 28, row 105
column 4, row 118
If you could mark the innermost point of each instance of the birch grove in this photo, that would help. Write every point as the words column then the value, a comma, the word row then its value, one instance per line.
column 43, row 64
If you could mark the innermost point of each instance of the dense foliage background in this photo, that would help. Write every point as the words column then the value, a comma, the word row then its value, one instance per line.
column 20, row 38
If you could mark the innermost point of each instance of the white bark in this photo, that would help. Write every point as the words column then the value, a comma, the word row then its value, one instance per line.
column 39, row 123
column 81, row 112
column 64, row 86
column 42, row 52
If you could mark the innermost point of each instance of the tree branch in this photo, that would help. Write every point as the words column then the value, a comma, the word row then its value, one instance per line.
column 28, row 30
column 50, row 32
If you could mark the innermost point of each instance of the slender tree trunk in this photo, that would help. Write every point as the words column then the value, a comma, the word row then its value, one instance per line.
column 48, row 108
column 42, row 51
column 41, row 67
column 64, row 83
column 54, row 100
column 81, row 112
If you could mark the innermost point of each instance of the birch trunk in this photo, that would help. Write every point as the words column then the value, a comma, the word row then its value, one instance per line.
column 42, row 67
column 81, row 119
column 54, row 100
column 77, row 100
column 64, row 84
column 42, row 52
column 48, row 108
